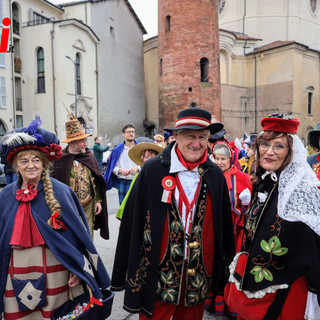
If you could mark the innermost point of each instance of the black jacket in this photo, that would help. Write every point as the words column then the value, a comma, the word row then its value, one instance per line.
column 145, row 200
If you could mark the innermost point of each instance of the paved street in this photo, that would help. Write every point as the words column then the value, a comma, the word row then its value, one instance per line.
column 107, row 251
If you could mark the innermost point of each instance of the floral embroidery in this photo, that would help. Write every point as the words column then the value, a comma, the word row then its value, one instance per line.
column 260, row 270
column 171, row 267
column 141, row 273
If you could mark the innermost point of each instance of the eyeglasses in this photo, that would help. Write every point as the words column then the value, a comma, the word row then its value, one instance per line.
column 277, row 148
column 130, row 131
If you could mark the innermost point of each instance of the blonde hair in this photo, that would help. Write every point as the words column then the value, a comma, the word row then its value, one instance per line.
column 51, row 201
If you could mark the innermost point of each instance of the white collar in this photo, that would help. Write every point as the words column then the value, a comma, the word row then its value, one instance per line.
column 176, row 165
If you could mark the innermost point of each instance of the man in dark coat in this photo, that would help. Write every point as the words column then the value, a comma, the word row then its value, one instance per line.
column 78, row 168
column 176, row 237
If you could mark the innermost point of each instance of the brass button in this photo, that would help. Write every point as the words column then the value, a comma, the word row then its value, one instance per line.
column 192, row 272
column 194, row 245
column 200, row 170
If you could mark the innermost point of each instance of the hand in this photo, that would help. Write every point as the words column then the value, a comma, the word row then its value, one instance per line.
column 97, row 208
column 134, row 170
column 74, row 280
column 109, row 144
column 124, row 172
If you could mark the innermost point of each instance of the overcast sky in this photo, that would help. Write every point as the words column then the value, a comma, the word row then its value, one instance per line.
column 146, row 10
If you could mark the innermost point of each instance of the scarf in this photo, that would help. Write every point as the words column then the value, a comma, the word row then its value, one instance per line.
column 191, row 165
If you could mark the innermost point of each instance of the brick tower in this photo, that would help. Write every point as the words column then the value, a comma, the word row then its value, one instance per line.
column 188, row 46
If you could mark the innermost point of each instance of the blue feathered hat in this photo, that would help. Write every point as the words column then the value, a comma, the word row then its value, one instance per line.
column 30, row 137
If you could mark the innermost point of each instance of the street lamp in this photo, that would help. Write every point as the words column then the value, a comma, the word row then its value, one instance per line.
column 75, row 85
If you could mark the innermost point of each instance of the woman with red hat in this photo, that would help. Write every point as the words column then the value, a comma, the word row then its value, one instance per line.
column 276, row 275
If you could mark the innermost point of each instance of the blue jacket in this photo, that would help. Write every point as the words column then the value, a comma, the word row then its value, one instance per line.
column 313, row 159
column 73, row 247
column 111, row 179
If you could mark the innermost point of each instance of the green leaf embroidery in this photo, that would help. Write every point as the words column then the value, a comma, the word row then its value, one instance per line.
column 196, row 229
column 168, row 295
column 274, row 243
column 197, row 282
column 193, row 297
column 280, row 252
column 147, row 236
column 167, row 278
column 195, row 254
column 261, row 273
column 176, row 225
column 273, row 246
column 158, row 288
column 176, row 250
column 265, row 246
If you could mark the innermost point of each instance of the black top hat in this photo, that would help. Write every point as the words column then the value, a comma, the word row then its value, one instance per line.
column 195, row 119
column 314, row 136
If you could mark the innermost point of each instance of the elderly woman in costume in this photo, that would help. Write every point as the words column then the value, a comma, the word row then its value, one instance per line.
column 276, row 275
column 239, row 185
column 45, row 246
column 139, row 154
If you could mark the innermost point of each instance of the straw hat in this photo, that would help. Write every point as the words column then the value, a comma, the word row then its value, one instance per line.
column 135, row 151
column 74, row 130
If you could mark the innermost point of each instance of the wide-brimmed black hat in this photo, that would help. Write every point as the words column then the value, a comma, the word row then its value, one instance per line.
column 314, row 137
column 195, row 119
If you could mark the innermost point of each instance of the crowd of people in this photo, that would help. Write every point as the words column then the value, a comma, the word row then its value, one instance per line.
column 206, row 223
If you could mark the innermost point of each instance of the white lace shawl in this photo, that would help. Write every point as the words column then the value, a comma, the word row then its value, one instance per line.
column 299, row 196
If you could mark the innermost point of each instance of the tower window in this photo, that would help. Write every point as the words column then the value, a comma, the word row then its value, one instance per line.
column 160, row 67
column 204, row 65
column 168, row 18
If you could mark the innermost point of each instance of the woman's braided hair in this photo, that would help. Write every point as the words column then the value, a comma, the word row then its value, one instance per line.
column 51, row 201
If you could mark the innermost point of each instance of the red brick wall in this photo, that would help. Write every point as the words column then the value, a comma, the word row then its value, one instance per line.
column 193, row 35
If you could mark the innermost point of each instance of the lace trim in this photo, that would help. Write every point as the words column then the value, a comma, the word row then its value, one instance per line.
column 299, row 195
column 255, row 294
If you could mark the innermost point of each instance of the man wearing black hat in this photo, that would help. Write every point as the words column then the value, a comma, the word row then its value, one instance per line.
column 176, row 237
column 314, row 141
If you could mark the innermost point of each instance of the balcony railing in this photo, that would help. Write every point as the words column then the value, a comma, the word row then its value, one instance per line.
column 19, row 104
column 17, row 64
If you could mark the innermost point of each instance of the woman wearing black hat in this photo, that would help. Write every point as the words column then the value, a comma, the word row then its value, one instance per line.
column 276, row 276
column 45, row 244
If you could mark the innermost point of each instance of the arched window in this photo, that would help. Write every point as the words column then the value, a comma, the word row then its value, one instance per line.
column 168, row 18
column 78, row 73
column 40, row 71
column 204, row 65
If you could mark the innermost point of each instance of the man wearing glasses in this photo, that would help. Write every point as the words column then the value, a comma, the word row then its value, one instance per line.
column 121, row 169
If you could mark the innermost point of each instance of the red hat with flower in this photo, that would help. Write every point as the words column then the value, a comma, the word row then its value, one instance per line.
column 280, row 122
column 27, row 138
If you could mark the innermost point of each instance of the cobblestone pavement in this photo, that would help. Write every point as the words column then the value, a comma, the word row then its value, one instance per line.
column 107, row 252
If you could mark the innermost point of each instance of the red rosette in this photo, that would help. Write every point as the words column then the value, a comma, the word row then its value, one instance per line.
column 53, row 151
column 168, row 183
